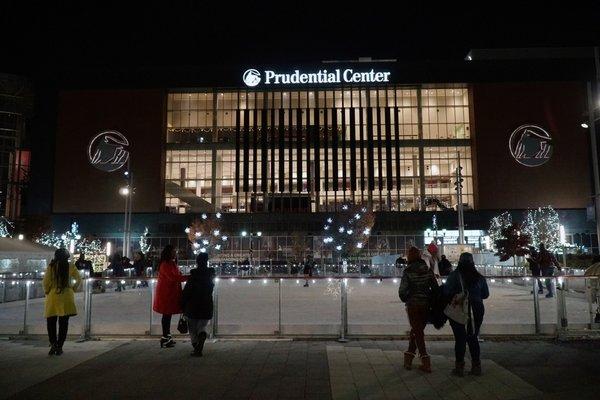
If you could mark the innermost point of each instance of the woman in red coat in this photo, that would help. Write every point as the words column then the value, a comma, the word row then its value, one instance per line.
column 167, row 300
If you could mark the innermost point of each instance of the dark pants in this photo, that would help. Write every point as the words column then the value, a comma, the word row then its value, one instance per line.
column 417, row 317
column 464, row 334
column 63, row 327
column 549, row 271
column 540, row 286
column 166, row 324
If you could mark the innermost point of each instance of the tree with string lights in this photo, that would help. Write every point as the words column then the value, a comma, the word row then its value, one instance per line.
column 543, row 226
column 5, row 227
column 205, row 235
column 71, row 240
column 145, row 246
column 497, row 224
column 347, row 232
column 513, row 242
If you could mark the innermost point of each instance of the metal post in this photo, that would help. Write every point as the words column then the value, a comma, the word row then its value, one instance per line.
column 561, row 306
column 151, row 286
column 536, row 306
column 89, row 285
column 87, row 314
column 279, row 330
column 592, row 127
column 344, row 311
column 215, row 319
column 126, row 218
column 588, row 292
column 26, row 312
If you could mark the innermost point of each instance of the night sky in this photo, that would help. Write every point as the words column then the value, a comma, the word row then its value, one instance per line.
column 114, row 45
column 41, row 42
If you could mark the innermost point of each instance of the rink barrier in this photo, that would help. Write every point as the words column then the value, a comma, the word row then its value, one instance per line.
column 561, row 284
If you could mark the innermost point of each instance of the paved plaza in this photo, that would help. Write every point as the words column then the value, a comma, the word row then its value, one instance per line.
column 286, row 369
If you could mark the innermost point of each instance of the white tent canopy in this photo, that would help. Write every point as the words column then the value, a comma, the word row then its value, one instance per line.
column 23, row 255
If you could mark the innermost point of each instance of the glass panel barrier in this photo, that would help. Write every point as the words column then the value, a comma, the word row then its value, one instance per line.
column 510, row 307
column 121, row 307
column 580, row 301
column 374, row 307
column 247, row 306
column 312, row 309
column 548, row 304
column 12, row 308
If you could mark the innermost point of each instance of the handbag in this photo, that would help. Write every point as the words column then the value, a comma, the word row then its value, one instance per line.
column 182, row 325
column 458, row 308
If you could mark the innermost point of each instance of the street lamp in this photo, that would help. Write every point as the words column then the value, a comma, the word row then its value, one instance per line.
column 251, row 235
column 127, row 192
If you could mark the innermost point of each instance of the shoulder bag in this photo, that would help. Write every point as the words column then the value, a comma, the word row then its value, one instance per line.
column 458, row 308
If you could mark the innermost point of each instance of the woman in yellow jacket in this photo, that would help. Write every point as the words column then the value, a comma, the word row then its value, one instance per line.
column 60, row 281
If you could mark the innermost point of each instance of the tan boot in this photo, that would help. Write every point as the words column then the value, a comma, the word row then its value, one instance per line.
column 408, row 359
column 425, row 364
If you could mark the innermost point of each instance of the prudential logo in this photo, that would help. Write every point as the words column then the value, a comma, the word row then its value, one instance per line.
column 251, row 77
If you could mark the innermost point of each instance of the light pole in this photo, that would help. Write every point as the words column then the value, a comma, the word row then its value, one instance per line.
column 459, row 206
column 127, row 192
column 252, row 234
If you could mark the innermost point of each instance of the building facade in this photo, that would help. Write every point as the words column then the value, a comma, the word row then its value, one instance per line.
column 280, row 156
column 16, row 110
column 392, row 148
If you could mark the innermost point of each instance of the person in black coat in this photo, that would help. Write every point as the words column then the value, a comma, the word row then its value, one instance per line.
column 534, row 266
column 197, row 302
column 444, row 266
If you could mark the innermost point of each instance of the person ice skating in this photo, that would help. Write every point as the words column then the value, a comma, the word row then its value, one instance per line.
column 468, row 278
column 534, row 266
column 547, row 264
column 167, row 300
column 308, row 270
column 416, row 287
column 118, row 270
column 197, row 302
column 444, row 266
column 84, row 265
column 139, row 266
column 60, row 281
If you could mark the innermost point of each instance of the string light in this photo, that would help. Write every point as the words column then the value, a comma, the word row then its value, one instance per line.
column 205, row 235
column 145, row 246
column 543, row 226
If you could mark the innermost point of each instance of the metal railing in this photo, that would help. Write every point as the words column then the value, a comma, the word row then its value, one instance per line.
column 245, row 306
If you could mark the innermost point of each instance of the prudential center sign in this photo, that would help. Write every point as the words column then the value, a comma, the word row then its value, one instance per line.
column 253, row 77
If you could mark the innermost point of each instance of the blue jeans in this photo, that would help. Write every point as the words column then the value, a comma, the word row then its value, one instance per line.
column 549, row 271
column 464, row 334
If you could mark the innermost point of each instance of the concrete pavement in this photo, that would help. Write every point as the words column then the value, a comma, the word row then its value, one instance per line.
column 285, row 369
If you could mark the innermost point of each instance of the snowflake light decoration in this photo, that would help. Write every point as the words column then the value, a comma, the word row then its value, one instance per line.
column 205, row 234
